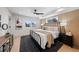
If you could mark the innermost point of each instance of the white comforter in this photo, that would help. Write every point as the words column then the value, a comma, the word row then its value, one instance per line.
column 43, row 37
column 43, row 40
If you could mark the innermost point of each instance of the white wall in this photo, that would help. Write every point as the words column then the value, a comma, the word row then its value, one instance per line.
column 4, row 19
column 24, row 30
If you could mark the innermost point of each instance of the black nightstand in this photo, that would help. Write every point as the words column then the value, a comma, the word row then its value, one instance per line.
column 68, row 40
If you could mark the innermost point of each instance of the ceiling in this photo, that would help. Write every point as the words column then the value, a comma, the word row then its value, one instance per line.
column 28, row 11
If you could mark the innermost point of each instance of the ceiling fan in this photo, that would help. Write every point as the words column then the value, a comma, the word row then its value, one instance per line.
column 37, row 13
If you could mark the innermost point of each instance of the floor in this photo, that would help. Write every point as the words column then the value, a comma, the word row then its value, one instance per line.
column 16, row 45
column 28, row 45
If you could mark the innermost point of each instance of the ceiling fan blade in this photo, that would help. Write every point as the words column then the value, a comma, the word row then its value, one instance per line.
column 39, row 13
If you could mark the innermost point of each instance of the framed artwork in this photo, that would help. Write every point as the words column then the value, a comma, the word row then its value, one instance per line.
column 30, row 23
column 18, row 24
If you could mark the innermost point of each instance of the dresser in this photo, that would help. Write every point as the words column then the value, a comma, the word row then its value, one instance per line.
column 66, row 39
column 6, row 43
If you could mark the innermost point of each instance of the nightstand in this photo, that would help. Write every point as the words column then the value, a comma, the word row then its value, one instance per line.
column 66, row 39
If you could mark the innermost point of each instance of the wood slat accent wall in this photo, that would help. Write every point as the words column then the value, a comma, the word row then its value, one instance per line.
column 72, row 24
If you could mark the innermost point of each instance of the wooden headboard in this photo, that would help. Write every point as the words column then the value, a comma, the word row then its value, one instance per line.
column 51, row 26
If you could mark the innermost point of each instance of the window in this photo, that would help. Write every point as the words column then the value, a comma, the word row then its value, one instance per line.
column 53, row 19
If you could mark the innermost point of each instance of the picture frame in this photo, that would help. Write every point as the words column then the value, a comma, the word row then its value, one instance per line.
column 30, row 23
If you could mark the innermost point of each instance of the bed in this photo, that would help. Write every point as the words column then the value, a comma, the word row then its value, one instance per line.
column 28, row 45
column 43, row 37
column 40, row 36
